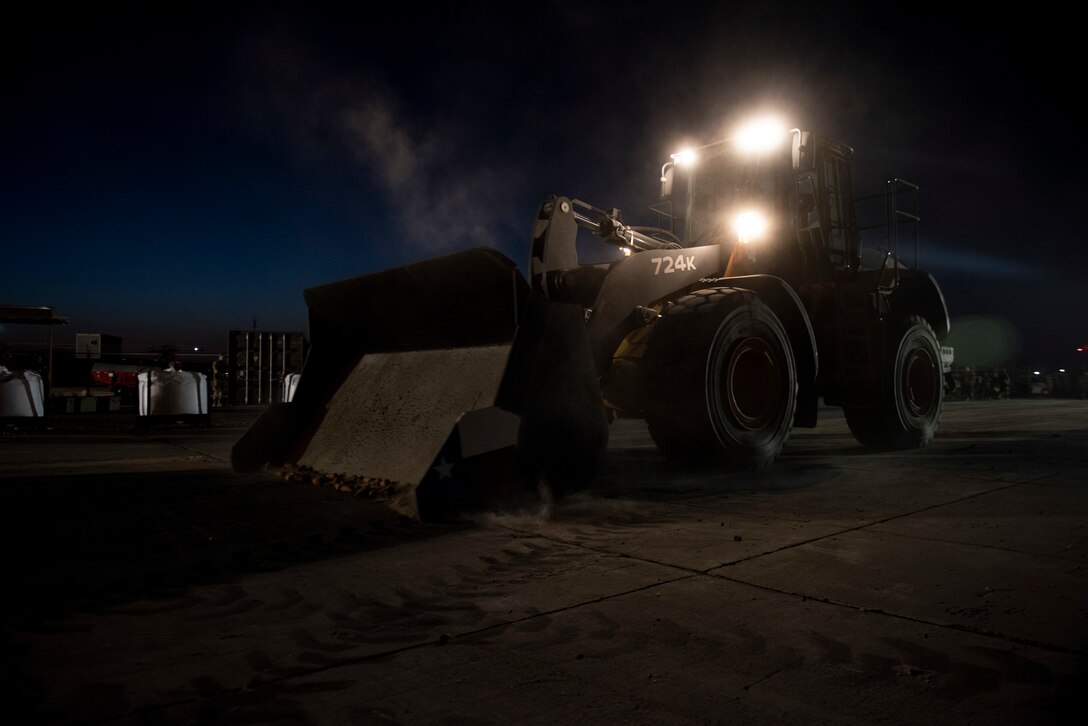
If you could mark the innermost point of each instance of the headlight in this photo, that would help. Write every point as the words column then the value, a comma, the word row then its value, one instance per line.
column 750, row 225
column 760, row 135
column 685, row 157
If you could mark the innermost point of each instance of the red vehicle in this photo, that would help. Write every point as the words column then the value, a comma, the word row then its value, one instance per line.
column 117, row 376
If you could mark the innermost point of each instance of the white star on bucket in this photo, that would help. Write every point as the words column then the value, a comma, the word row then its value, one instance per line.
column 445, row 469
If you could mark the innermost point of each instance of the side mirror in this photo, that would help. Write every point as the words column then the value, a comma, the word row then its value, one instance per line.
column 666, row 181
column 802, row 150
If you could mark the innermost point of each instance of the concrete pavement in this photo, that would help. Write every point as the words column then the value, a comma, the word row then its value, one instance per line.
column 842, row 586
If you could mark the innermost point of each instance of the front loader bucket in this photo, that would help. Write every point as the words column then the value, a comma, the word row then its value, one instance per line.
column 448, row 381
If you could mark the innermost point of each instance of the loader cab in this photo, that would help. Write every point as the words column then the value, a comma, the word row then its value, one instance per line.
column 786, row 211
column 823, row 201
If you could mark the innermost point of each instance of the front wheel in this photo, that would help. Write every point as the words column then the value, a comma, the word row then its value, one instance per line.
column 721, row 380
column 912, row 393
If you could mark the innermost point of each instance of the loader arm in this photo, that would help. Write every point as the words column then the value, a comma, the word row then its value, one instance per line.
column 614, row 294
column 555, row 268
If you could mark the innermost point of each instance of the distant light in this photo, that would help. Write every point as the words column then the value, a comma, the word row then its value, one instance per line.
column 1080, row 350
column 1036, row 372
column 195, row 349
column 750, row 225
column 1061, row 370
column 685, row 157
column 760, row 135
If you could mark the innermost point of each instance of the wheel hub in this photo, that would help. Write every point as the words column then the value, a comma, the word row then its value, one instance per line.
column 919, row 382
column 752, row 377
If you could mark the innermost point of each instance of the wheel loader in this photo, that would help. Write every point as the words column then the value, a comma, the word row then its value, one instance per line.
column 459, row 383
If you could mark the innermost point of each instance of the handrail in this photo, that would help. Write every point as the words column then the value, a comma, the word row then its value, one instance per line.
column 894, row 216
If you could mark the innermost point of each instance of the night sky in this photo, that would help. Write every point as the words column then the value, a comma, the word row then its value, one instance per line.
column 173, row 171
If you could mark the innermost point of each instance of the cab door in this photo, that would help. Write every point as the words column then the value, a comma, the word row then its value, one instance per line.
column 840, row 232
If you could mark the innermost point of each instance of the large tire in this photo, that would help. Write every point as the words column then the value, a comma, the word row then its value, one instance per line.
column 721, row 381
column 912, row 392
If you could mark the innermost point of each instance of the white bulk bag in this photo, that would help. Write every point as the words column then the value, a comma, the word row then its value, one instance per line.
column 173, row 393
column 290, row 383
column 22, row 394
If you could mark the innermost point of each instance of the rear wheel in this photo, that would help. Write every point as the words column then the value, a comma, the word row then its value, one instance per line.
column 721, row 380
column 912, row 395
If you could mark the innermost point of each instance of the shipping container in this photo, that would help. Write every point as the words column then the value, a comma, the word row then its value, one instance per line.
column 258, row 364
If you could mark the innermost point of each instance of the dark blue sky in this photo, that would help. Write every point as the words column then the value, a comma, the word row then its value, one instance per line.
column 172, row 172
